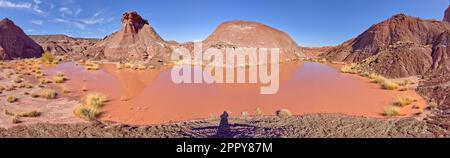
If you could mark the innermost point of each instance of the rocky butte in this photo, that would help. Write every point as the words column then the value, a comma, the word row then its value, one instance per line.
column 14, row 44
column 136, row 41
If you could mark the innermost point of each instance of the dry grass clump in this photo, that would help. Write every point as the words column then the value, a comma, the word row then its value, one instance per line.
column 35, row 95
column 245, row 115
column 92, row 66
column 120, row 66
column 18, row 80
column 48, row 94
column 404, row 101
column 389, row 85
column 350, row 69
column 92, row 107
column 283, row 113
column 142, row 67
column 15, row 120
column 391, row 111
column 33, row 113
column 59, row 77
column 11, row 99
column 258, row 112
column 47, row 58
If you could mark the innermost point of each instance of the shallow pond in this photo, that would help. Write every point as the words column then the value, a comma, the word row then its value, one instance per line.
column 149, row 96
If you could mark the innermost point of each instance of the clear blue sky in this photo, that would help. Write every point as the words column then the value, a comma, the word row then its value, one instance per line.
column 309, row 22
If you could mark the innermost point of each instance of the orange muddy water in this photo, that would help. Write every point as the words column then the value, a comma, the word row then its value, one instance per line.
column 141, row 97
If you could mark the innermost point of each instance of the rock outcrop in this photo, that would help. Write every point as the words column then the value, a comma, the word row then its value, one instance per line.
column 398, row 47
column 136, row 41
column 15, row 44
column 447, row 15
column 253, row 34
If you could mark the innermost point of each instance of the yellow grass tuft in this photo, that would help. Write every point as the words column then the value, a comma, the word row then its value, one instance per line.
column 389, row 85
column 47, row 58
column 95, row 100
column 258, row 112
column 92, row 66
column 86, row 113
column 283, row 113
column 59, row 79
column 92, row 107
column 11, row 99
column 350, row 69
column 48, row 94
column 391, row 111
column 404, row 101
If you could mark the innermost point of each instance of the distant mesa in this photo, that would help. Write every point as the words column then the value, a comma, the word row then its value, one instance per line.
column 253, row 34
column 136, row 41
column 398, row 47
column 14, row 44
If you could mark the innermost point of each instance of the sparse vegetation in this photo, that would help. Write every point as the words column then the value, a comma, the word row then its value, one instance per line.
column 33, row 113
column 95, row 100
column 92, row 66
column 389, row 85
column 47, row 58
column 391, row 111
column 245, row 115
column 35, row 95
column 404, row 101
column 15, row 120
column 48, row 94
column 11, row 99
column 120, row 66
column 350, row 69
column 59, row 79
column 258, row 112
column 92, row 107
column 283, row 113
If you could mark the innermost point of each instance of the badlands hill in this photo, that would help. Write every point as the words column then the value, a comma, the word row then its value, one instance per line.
column 136, row 41
column 15, row 44
column 63, row 45
column 253, row 34
column 398, row 47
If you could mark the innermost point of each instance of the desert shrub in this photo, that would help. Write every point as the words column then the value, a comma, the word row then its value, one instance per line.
column 377, row 78
column 403, row 88
column 92, row 108
column 18, row 80
column 389, row 85
column 258, row 112
column 142, row 67
column 95, row 100
column 35, row 95
column 244, row 115
column 351, row 69
column 47, row 58
column 120, row 66
column 59, row 79
column 404, row 101
column 11, row 99
column 92, row 66
column 391, row 111
column 33, row 113
column 85, row 113
column 283, row 113
column 15, row 120
column 48, row 94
